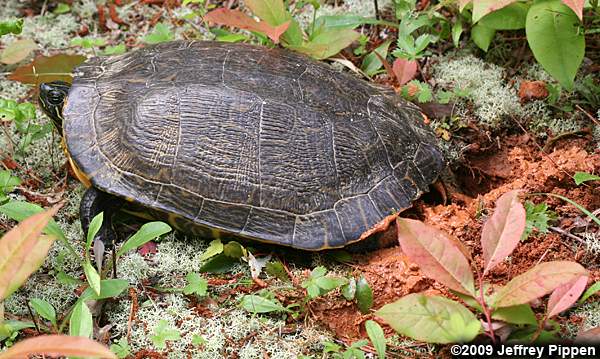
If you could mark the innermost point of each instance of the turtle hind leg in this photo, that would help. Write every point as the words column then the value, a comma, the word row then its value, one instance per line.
column 93, row 203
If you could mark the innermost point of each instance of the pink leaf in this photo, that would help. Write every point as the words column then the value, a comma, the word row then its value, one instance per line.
column 57, row 345
column 405, row 70
column 503, row 230
column 576, row 6
column 537, row 282
column 237, row 18
column 437, row 254
column 484, row 7
column 564, row 296
column 590, row 336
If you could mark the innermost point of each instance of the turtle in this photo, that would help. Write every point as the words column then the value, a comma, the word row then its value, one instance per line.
column 243, row 141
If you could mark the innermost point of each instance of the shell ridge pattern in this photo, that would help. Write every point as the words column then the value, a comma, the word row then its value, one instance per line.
column 387, row 154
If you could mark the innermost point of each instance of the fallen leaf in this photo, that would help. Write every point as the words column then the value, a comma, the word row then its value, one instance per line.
column 436, row 254
column 576, row 6
column 238, row 19
column 503, row 230
column 565, row 296
column 17, row 51
column 532, row 90
column 57, row 345
column 46, row 69
column 404, row 70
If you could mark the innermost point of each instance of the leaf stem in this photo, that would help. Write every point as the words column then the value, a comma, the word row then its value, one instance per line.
column 485, row 308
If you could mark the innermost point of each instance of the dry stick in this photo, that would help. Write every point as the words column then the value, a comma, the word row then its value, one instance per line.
column 376, row 10
column 588, row 115
column 32, row 316
column 565, row 233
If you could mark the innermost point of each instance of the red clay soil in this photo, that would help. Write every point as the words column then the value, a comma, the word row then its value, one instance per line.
column 518, row 164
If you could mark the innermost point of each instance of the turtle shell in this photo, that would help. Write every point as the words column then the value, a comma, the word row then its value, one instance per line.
column 260, row 143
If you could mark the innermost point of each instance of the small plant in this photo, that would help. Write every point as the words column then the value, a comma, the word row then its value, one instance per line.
column 13, row 26
column 440, row 320
column 351, row 352
column 163, row 333
column 8, row 182
column 537, row 217
column 23, row 116
column 318, row 284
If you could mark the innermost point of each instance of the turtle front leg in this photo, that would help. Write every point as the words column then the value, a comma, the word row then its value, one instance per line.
column 93, row 203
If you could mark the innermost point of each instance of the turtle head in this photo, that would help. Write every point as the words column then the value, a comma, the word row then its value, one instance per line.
column 52, row 99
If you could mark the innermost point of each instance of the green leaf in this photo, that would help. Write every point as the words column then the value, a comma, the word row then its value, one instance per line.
column 511, row 17
column 9, row 327
column 62, row 8
column 198, row 340
column 13, row 26
column 537, row 217
column 327, row 43
column 148, row 232
column 377, row 337
column 109, row 288
column 556, row 39
column 277, row 270
column 92, row 276
column 457, row 30
column 88, row 42
column 162, row 333
column 364, row 295
column 482, row 36
column 121, row 348
column 219, row 264
column 196, row 284
column 44, row 309
column 328, row 284
column 517, row 314
column 8, row 182
column 371, row 63
column 93, row 229
column 577, row 205
column 18, row 211
column 114, row 50
column 432, row 319
column 345, row 22
column 161, row 33
column 579, row 178
column 234, row 250
column 593, row 289
column 215, row 247
column 80, row 323
column 257, row 304
column 349, row 289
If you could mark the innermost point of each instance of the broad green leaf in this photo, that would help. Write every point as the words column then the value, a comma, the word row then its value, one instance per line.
column 240, row 20
column 271, row 11
column 484, row 7
column 220, row 263
column 563, row 297
column 330, row 283
column 92, row 276
column 47, row 69
column 196, row 284
column 148, row 232
column 114, row 50
column 109, row 288
column 537, row 282
column 345, row 21
column 364, row 295
column 257, row 304
column 371, row 63
column 18, row 211
column 432, row 319
column 377, row 337
column 482, row 36
column 12, row 26
column 93, row 229
column 579, row 177
column 160, row 33
column 23, row 250
column 162, row 333
column 327, row 43
column 80, row 323
column 234, row 250
column 277, row 270
column 57, row 346
column 349, row 289
column 556, row 39
column 9, row 327
column 8, row 182
column 17, row 51
column 511, row 17
column 457, row 30
column 437, row 254
column 517, row 314
column 61, row 8
column 214, row 247
column 593, row 289
column 503, row 230
column 44, row 309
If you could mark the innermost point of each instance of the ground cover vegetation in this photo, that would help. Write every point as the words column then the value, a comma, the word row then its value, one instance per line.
column 506, row 250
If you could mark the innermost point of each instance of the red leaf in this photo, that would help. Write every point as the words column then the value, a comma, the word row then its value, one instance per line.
column 148, row 248
column 576, row 6
column 45, row 69
column 503, row 230
column 404, row 70
column 564, row 296
column 537, row 282
column 237, row 18
column 437, row 254
column 57, row 345
column 590, row 336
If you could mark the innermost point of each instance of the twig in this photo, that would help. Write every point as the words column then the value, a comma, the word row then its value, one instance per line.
column 565, row 233
column 32, row 316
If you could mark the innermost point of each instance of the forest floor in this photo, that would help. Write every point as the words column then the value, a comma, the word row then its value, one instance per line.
column 495, row 141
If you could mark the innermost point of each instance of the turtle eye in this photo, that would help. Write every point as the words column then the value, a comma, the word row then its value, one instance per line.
column 55, row 97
